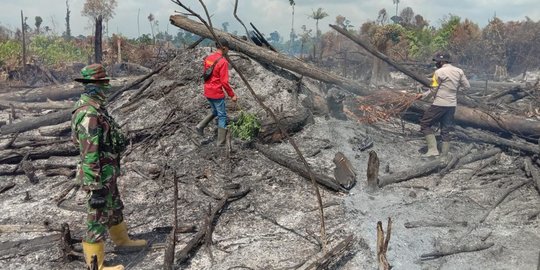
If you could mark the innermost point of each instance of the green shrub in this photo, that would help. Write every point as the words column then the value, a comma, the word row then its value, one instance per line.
column 246, row 127
column 10, row 52
column 56, row 50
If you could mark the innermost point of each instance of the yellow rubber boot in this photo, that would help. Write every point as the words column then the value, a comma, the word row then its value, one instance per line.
column 98, row 250
column 119, row 236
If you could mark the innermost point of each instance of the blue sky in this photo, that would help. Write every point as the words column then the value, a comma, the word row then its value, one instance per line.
column 267, row 15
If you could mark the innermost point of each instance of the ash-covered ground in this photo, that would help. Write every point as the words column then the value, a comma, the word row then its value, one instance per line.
column 276, row 225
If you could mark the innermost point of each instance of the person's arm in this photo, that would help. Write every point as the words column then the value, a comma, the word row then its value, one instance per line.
column 463, row 82
column 88, row 132
column 224, row 79
column 431, row 90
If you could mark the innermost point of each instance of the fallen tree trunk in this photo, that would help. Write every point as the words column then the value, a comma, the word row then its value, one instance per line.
column 478, row 136
column 14, row 157
column 34, row 106
column 56, row 130
column 470, row 158
column 433, row 165
column 271, row 57
column 55, row 93
column 292, row 122
column 456, row 250
column 298, row 168
column 36, row 122
column 463, row 115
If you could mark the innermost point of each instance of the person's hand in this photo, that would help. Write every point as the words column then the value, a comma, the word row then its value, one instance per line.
column 97, row 198
column 419, row 96
column 234, row 98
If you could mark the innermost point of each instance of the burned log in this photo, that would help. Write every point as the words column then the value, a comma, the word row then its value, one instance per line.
column 422, row 170
column 55, row 93
column 434, row 165
column 470, row 158
column 35, row 106
column 292, row 122
column 298, row 168
column 479, row 136
column 14, row 157
column 456, row 250
column 56, row 130
column 36, row 122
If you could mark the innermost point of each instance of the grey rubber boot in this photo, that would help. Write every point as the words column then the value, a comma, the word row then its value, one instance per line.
column 432, row 146
column 445, row 148
column 204, row 123
column 221, row 136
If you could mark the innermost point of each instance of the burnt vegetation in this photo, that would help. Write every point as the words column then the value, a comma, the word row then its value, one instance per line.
column 336, row 151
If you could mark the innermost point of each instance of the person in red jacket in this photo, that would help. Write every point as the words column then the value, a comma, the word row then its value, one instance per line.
column 215, row 88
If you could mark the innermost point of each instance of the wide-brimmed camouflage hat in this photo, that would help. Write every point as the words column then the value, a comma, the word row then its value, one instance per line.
column 93, row 73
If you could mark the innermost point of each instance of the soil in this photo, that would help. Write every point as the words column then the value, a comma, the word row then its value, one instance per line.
column 276, row 225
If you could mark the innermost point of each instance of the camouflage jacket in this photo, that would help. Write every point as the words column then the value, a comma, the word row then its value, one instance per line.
column 100, row 142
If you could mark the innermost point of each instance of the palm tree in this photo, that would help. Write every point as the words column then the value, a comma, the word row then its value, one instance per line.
column 396, row 2
column 291, row 42
column 317, row 15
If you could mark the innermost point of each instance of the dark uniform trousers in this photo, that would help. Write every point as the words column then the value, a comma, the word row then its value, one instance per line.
column 438, row 114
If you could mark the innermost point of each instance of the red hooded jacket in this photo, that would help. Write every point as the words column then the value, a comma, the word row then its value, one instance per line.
column 219, row 81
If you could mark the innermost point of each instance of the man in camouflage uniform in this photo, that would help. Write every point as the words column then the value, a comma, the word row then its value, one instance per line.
column 100, row 143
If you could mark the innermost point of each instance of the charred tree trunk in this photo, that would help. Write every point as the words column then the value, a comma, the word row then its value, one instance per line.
column 23, row 31
column 298, row 168
column 98, row 51
column 292, row 122
column 33, row 123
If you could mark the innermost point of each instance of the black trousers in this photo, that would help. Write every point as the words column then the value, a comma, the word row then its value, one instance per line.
column 438, row 114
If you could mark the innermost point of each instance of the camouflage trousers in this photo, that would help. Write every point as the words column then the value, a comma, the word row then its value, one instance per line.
column 99, row 220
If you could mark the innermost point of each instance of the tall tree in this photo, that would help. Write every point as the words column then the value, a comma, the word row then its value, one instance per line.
column 67, row 34
column 37, row 23
column 99, row 10
column 293, row 34
column 407, row 16
column 495, row 45
column 151, row 19
column 304, row 38
column 275, row 37
column 317, row 15
column 382, row 18
column 396, row 2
